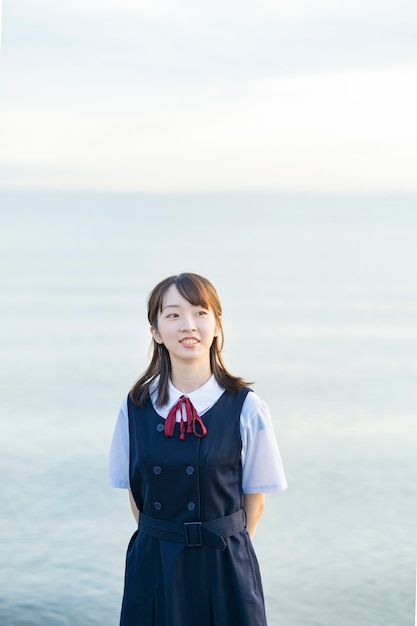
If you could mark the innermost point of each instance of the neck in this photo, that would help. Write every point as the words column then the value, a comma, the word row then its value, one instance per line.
column 189, row 379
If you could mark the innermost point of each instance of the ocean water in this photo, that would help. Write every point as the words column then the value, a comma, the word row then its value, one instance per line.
column 320, row 310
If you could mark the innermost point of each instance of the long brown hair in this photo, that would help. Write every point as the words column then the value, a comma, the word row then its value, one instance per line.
column 199, row 292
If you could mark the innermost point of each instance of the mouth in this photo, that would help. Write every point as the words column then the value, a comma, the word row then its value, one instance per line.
column 189, row 341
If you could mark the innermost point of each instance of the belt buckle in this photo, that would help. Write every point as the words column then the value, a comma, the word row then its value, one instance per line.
column 193, row 534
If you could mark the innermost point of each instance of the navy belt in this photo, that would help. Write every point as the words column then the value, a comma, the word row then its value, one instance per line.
column 195, row 534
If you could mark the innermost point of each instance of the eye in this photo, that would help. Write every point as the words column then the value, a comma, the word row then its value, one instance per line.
column 172, row 315
column 202, row 313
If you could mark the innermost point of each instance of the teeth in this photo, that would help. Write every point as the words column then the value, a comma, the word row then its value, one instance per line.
column 189, row 342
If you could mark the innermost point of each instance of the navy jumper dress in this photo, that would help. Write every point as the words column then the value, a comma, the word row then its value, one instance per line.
column 191, row 562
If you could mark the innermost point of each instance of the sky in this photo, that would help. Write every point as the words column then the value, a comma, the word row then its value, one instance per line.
column 191, row 95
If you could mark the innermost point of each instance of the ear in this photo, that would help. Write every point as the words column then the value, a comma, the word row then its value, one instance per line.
column 155, row 334
column 218, row 327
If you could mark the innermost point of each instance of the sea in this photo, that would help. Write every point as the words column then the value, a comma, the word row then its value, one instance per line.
column 319, row 297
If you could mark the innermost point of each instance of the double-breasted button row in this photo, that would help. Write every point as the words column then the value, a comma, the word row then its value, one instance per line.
column 157, row 469
column 190, row 506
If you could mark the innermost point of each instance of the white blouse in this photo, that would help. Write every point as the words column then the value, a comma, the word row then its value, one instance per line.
column 262, row 469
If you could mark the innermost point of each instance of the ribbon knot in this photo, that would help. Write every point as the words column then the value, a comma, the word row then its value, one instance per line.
column 193, row 420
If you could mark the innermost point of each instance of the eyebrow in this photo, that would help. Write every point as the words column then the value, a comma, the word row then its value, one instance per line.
column 178, row 306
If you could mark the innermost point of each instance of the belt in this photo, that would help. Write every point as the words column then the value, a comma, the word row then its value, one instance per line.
column 195, row 534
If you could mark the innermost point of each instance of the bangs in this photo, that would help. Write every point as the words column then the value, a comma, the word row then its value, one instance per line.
column 194, row 291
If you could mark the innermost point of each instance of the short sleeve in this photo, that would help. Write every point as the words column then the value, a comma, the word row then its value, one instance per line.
column 263, row 471
column 119, row 451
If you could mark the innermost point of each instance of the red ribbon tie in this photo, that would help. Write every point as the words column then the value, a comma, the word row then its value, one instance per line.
column 194, row 422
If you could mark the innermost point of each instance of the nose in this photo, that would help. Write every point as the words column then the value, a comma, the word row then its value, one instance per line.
column 188, row 322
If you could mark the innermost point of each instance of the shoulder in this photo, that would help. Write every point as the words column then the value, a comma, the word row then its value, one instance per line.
column 255, row 412
column 253, row 402
column 127, row 409
column 123, row 416
column 254, row 405
column 123, row 410
column 131, row 408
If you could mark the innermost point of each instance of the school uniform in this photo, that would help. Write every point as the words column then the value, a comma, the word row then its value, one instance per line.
column 191, row 561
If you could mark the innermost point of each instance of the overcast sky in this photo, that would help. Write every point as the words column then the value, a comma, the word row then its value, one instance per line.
column 185, row 95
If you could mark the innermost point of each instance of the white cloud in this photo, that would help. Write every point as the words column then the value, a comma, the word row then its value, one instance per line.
column 185, row 13
column 201, row 41
column 187, row 94
column 347, row 130
column 179, row 10
column 305, row 9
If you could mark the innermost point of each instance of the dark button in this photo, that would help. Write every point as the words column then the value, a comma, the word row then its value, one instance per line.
column 157, row 470
column 190, row 470
column 191, row 506
column 159, row 427
column 157, row 506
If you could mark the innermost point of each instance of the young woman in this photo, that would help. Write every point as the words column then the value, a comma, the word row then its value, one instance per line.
column 197, row 451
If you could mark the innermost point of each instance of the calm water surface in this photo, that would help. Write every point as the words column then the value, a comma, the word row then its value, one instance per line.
column 320, row 304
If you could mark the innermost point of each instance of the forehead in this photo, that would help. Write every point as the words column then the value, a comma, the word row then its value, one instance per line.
column 173, row 298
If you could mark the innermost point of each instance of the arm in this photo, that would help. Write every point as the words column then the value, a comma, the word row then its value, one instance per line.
column 133, row 506
column 254, row 504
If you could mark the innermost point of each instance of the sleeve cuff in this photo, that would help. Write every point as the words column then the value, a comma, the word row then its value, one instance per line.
column 119, row 484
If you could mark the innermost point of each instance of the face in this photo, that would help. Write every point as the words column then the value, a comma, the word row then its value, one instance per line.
column 187, row 331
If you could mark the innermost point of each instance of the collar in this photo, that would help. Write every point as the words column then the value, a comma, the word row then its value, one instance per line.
column 202, row 398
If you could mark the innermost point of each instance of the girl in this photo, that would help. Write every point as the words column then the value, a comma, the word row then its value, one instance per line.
column 196, row 449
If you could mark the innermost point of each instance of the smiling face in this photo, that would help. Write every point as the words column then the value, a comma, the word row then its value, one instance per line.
column 186, row 330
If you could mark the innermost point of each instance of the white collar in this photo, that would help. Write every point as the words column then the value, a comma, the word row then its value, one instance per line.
column 202, row 398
